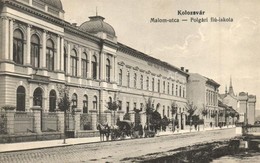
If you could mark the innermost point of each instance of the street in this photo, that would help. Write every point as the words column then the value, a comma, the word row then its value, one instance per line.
column 115, row 151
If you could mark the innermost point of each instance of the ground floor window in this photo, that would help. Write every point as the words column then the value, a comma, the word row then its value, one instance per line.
column 20, row 98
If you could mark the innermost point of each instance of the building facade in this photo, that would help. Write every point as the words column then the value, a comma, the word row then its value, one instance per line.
column 40, row 51
column 203, row 93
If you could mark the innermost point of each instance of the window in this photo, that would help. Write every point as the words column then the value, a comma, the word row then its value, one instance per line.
column 65, row 60
column 147, row 83
column 128, row 79
column 20, row 99
column 84, row 66
column 168, row 88
column 135, row 78
column 159, row 86
column 135, row 106
column 120, row 77
column 119, row 105
column 95, row 103
column 74, row 101
column 37, row 97
column 127, row 107
column 141, row 106
column 108, row 67
column 168, row 111
column 73, row 59
column 153, row 84
column 180, row 91
column 172, row 89
column 35, row 51
column 110, row 99
column 50, row 55
column 94, row 67
column 142, row 81
column 176, row 92
column 18, row 47
column 163, row 86
column 52, row 101
column 85, row 104
column 183, row 94
column 163, row 110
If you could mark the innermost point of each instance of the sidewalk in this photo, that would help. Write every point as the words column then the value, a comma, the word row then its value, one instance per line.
column 12, row 147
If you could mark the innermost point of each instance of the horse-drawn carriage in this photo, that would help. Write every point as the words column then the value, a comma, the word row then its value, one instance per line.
column 123, row 129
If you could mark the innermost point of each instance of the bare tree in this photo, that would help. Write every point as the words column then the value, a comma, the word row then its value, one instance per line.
column 204, row 113
column 190, row 108
column 148, row 110
column 113, row 106
column 64, row 104
column 174, row 108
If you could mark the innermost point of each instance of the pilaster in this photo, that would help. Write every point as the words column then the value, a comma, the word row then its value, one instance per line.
column 60, row 121
column 37, row 119
column 28, row 45
column 68, row 59
column 44, row 49
column 11, row 39
column 109, row 118
column 93, row 114
column 57, row 56
column 79, row 62
column 10, row 121
column 77, row 122
column 62, row 54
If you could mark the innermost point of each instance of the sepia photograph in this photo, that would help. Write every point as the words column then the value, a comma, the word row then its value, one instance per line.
column 139, row 81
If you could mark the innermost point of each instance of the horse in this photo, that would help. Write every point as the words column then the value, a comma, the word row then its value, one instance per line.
column 104, row 130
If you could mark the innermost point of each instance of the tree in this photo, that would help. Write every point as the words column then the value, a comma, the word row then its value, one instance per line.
column 204, row 113
column 190, row 108
column 64, row 103
column 113, row 106
column 148, row 110
column 174, row 108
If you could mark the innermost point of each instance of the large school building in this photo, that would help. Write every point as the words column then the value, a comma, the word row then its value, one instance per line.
column 40, row 52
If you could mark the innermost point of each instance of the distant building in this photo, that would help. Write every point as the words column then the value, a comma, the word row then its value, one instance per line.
column 203, row 93
column 243, row 104
column 247, row 107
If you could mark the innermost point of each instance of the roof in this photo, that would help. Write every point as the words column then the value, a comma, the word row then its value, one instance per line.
column 54, row 3
column 211, row 81
column 96, row 24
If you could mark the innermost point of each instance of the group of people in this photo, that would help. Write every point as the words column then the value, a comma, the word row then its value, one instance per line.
column 121, row 130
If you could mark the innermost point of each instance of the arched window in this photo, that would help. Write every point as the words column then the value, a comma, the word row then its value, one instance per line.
column 18, row 47
column 85, row 104
column 142, row 81
column 52, row 101
column 74, row 101
column 135, row 78
column 84, row 66
column 65, row 55
column 20, row 99
column 108, row 70
column 50, row 55
column 110, row 99
column 35, row 51
column 73, row 59
column 94, row 67
column 120, row 77
column 128, row 79
column 37, row 97
column 95, row 103
column 176, row 92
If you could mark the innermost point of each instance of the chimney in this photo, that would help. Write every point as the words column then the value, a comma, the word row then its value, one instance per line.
column 182, row 68
column 187, row 70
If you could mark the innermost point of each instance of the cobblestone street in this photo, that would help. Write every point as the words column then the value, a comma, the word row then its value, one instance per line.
column 115, row 151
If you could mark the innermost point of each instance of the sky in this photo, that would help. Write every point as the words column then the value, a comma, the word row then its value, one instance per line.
column 217, row 50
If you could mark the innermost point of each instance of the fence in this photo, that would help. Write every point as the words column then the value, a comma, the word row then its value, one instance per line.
column 3, row 122
column 70, row 122
column 49, row 122
column 23, row 122
column 85, row 122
